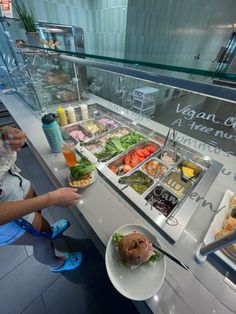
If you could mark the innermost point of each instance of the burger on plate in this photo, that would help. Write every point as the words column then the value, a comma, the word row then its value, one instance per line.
column 135, row 249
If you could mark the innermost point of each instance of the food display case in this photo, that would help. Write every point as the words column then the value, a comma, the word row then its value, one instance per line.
column 40, row 74
column 169, row 172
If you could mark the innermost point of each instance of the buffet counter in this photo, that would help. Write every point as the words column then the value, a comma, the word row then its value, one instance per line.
column 102, row 209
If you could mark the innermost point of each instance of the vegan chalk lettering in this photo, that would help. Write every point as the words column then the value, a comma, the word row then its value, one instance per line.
column 190, row 114
column 204, row 129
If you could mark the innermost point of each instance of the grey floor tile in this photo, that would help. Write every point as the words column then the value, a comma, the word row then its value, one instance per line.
column 25, row 283
column 86, row 290
column 35, row 169
column 74, row 287
column 76, row 239
column 111, row 303
column 24, row 173
column 62, row 213
column 37, row 307
column 29, row 250
column 76, row 231
column 25, row 152
column 20, row 163
column 27, row 160
column 10, row 257
column 65, row 296
column 42, row 184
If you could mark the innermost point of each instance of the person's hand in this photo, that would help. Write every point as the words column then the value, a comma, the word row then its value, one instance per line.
column 15, row 138
column 63, row 197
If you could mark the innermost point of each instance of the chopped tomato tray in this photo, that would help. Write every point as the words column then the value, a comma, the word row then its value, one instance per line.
column 135, row 157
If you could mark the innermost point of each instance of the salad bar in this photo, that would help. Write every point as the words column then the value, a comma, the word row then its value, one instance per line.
column 156, row 175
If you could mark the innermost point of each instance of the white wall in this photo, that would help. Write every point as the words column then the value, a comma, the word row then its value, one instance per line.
column 174, row 31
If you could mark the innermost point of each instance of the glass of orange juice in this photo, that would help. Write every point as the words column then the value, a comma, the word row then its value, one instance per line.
column 68, row 150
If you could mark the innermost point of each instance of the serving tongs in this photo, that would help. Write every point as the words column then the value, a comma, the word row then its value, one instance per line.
column 81, row 142
column 129, row 182
column 173, row 258
column 103, row 159
column 182, row 174
column 171, row 135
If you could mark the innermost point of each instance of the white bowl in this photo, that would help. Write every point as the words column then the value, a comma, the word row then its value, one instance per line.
column 136, row 284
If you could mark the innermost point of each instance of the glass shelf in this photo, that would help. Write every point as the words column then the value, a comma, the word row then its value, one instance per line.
column 165, row 67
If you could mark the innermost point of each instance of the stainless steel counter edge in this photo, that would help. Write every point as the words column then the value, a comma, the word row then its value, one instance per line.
column 182, row 292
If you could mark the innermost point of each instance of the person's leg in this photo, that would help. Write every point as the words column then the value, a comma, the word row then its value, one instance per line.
column 43, row 250
column 40, row 223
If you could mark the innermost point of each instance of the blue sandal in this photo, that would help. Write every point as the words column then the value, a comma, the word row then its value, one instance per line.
column 59, row 227
column 73, row 260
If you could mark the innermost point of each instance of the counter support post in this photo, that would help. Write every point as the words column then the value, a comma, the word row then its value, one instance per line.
column 204, row 250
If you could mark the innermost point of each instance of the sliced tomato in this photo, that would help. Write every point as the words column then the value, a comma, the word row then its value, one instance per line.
column 134, row 162
column 114, row 169
column 126, row 168
column 146, row 152
column 140, row 153
column 127, row 159
column 141, row 159
column 151, row 149
column 135, row 156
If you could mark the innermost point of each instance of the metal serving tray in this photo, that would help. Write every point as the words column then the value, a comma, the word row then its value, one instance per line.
column 174, row 223
column 75, row 127
column 109, row 160
column 99, row 138
column 98, row 124
column 118, row 161
column 131, row 186
column 98, row 118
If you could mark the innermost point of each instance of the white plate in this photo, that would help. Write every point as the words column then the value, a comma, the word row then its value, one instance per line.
column 94, row 177
column 216, row 225
column 138, row 284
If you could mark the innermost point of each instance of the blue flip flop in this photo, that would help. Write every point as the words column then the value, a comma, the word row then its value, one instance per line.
column 73, row 260
column 59, row 227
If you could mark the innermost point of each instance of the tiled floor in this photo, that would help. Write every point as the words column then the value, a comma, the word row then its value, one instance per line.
column 28, row 287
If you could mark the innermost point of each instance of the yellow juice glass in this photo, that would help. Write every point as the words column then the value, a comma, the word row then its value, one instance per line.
column 68, row 150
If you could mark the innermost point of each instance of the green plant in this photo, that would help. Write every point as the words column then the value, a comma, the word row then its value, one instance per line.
column 25, row 15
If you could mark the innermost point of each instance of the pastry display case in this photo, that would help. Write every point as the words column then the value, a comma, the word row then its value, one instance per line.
column 39, row 76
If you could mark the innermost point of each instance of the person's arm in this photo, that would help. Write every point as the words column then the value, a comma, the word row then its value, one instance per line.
column 10, row 211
